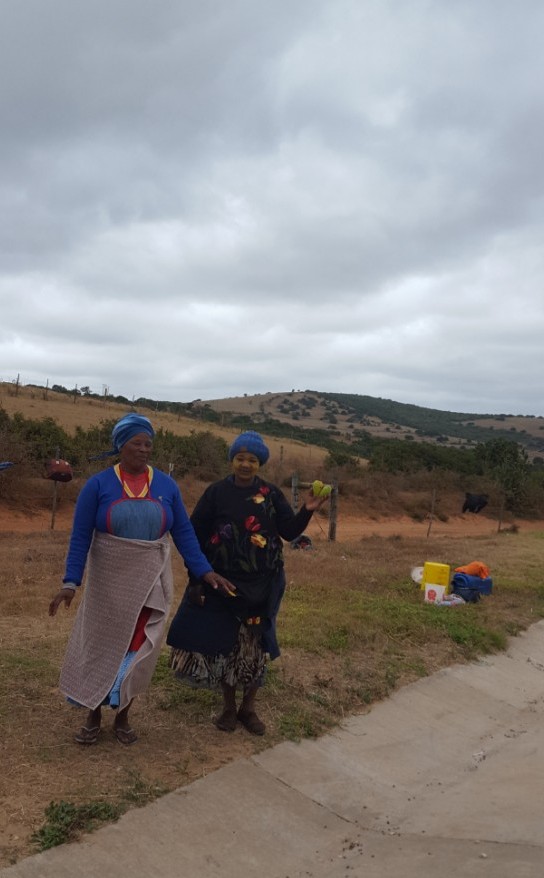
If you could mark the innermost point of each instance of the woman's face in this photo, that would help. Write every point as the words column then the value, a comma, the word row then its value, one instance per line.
column 136, row 452
column 245, row 467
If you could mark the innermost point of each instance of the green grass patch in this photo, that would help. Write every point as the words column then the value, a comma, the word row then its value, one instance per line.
column 139, row 791
column 27, row 675
column 351, row 619
column 297, row 723
column 171, row 694
column 338, row 639
column 25, row 665
column 465, row 629
column 65, row 821
column 275, row 684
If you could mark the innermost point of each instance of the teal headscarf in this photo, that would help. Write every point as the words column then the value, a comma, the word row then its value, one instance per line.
column 130, row 425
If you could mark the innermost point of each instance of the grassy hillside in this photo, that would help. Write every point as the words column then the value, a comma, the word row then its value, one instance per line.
column 346, row 417
column 349, row 417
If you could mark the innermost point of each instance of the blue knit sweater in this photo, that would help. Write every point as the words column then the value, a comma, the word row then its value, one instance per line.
column 103, row 506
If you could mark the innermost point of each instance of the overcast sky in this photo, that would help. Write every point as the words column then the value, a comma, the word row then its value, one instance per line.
column 204, row 199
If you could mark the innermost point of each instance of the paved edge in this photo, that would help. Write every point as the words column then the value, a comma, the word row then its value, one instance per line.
column 444, row 775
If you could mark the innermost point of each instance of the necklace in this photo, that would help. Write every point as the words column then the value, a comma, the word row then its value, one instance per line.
column 131, row 484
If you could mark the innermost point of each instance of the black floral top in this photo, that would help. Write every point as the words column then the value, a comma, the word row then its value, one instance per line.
column 240, row 530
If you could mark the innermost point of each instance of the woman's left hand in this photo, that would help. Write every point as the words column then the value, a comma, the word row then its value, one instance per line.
column 219, row 583
column 65, row 595
column 312, row 502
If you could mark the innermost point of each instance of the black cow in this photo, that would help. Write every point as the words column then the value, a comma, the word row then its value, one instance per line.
column 475, row 502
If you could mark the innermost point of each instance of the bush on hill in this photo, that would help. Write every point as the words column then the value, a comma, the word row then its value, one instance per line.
column 30, row 443
column 498, row 466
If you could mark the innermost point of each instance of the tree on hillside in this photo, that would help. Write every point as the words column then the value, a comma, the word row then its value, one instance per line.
column 507, row 463
column 341, row 464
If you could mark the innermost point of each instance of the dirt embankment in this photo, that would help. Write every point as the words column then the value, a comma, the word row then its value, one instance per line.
column 351, row 525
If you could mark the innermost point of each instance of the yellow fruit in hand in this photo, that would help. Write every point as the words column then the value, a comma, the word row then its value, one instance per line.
column 319, row 489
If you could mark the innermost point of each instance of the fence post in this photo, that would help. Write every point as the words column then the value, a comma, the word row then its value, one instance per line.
column 501, row 515
column 431, row 515
column 55, row 489
column 333, row 513
column 294, row 491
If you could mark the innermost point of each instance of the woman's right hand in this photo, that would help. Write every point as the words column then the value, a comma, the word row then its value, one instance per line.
column 66, row 595
column 219, row 583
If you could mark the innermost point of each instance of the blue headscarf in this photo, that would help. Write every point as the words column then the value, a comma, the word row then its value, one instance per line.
column 251, row 442
column 128, row 427
column 125, row 429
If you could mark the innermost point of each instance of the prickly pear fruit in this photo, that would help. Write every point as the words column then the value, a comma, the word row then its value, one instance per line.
column 319, row 489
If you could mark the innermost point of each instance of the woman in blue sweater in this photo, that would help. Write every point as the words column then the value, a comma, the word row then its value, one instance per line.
column 123, row 521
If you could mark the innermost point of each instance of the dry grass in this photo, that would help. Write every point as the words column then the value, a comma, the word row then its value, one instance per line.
column 353, row 627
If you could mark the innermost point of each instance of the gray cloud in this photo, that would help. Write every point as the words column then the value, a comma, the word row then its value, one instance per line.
column 204, row 199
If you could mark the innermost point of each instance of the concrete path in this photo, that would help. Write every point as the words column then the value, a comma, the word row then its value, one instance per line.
column 445, row 778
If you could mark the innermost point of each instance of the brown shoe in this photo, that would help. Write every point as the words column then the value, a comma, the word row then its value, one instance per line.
column 86, row 735
column 125, row 736
column 227, row 721
column 251, row 722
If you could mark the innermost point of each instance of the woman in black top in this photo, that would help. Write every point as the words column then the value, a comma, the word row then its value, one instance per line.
column 223, row 641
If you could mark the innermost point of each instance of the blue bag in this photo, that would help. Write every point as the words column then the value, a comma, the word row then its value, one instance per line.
column 471, row 588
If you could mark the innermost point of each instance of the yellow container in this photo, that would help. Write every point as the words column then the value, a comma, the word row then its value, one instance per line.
column 436, row 574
